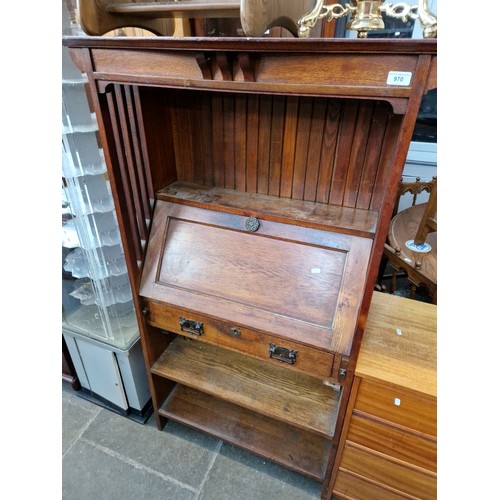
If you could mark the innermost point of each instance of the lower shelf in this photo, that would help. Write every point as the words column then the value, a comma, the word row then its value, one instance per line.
column 293, row 448
column 294, row 398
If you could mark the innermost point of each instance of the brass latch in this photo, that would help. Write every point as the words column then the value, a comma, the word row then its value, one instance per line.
column 344, row 363
column 340, row 365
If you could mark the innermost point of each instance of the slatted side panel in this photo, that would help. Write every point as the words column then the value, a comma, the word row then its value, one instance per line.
column 133, row 161
column 315, row 149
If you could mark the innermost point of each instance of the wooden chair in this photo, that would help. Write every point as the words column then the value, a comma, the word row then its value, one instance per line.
column 411, row 247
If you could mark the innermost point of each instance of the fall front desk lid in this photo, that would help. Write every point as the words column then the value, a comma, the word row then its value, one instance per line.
column 295, row 282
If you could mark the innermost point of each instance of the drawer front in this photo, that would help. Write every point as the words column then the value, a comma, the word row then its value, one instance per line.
column 349, row 487
column 393, row 442
column 398, row 405
column 231, row 336
column 385, row 472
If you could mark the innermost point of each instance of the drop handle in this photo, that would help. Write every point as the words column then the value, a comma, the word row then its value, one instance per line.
column 282, row 354
column 191, row 326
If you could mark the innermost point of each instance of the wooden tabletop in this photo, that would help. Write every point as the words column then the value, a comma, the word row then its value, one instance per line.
column 404, row 227
column 407, row 358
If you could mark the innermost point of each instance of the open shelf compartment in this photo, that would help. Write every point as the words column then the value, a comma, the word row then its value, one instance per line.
column 289, row 397
column 286, row 445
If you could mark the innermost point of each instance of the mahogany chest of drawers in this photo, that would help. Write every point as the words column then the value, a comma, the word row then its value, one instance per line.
column 388, row 448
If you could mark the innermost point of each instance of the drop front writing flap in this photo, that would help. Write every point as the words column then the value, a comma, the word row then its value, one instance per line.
column 295, row 282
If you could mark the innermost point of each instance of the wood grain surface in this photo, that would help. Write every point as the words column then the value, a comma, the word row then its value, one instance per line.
column 296, row 282
column 301, row 149
column 295, row 398
column 349, row 486
column 257, row 16
column 377, row 468
column 291, row 447
column 312, row 361
column 409, row 359
column 296, row 212
column 392, row 441
column 398, row 405
column 403, row 228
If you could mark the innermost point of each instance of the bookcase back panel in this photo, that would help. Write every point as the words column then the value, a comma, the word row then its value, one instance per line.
column 326, row 150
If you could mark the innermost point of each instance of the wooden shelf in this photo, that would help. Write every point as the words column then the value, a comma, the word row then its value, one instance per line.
column 292, row 397
column 298, row 450
column 210, row 8
column 340, row 219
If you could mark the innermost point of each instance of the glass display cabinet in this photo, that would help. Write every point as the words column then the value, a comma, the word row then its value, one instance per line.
column 99, row 323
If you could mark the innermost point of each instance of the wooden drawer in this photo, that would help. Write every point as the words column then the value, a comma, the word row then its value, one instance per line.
column 385, row 472
column 396, row 404
column 235, row 337
column 348, row 486
column 391, row 441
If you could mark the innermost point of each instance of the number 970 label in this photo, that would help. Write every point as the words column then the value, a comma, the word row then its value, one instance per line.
column 400, row 78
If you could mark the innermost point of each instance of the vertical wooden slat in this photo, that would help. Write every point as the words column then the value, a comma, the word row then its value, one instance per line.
column 373, row 150
column 265, row 116
column 357, row 156
column 342, row 154
column 144, row 145
column 240, row 148
column 330, row 135
column 218, row 139
column 301, row 147
column 173, row 118
column 139, row 170
column 185, row 135
column 276, row 151
column 195, row 120
column 252, row 143
column 386, row 161
column 133, row 230
column 314, row 152
column 228, row 123
column 129, row 162
column 289, row 138
column 206, row 140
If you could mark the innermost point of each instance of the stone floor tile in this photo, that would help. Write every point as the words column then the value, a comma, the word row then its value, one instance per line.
column 75, row 419
column 92, row 473
column 68, row 394
column 239, row 475
column 177, row 451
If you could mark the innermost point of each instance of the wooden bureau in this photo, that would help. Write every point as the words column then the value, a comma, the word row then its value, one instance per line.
column 254, row 182
column 388, row 448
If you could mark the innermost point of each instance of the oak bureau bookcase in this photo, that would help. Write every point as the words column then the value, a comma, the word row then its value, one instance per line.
column 254, row 181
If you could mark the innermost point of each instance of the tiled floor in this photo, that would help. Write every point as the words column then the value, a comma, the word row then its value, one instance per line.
column 106, row 456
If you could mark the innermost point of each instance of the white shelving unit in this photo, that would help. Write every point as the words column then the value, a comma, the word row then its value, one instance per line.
column 99, row 323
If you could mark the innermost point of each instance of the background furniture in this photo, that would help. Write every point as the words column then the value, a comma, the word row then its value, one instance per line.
column 279, row 159
column 253, row 17
column 416, row 224
column 100, row 334
column 388, row 447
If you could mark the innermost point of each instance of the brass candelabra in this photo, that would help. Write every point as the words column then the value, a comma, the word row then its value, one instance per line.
column 366, row 15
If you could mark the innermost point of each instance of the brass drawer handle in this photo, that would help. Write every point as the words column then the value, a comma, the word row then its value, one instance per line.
column 191, row 326
column 282, row 354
